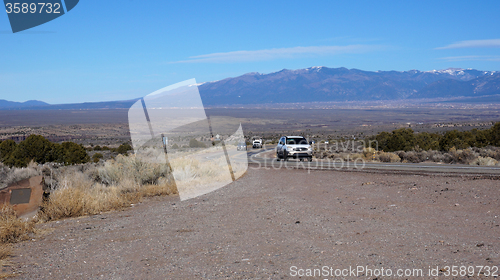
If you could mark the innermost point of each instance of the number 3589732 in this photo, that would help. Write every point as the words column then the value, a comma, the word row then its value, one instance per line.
column 32, row 8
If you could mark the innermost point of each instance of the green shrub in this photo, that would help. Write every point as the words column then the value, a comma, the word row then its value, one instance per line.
column 6, row 149
column 404, row 139
column 40, row 150
column 193, row 143
column 72, row 153
column 96, row 157
column 123, row 149
column 35, row 148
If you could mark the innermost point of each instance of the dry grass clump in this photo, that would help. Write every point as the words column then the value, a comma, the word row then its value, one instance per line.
column 80, row 197
column 82, row 190
column 465, row 156
column 13, row 229
column 191, row 170
column 491, row 152
column 131, row 168
column 115, row 185
column 387, row 157
column 484, row 161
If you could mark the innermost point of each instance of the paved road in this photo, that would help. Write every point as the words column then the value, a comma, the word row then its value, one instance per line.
column 265, row 158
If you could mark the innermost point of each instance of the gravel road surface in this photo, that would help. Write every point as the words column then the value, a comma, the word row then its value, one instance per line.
column 272, row 223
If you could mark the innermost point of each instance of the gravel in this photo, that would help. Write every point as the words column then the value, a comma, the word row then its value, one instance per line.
column 271, row 220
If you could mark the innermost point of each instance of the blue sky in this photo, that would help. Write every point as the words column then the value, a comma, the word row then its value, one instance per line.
column 116, row 50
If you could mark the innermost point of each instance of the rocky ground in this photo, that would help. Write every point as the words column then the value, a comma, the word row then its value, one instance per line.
column 271, row 223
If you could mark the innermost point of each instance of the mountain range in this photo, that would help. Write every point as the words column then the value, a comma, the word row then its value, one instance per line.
column 323, row 84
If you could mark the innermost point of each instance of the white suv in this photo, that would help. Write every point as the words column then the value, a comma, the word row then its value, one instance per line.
column 293, row 147
column 257, row 143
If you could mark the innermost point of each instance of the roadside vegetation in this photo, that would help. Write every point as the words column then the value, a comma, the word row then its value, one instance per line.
column 37, row 148
column 73, row 185
column 78, row 185
column 474, row 147
column 405, row 139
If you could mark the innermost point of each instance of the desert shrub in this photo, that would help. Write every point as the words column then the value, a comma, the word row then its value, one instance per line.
column 410, row 156
column 175, row 146
column 494, row 135
column 453, row 139
column 97, row 189
column 35, row 148
column 465, row 156
column 188, row 171
column 402, row 139
column 406, row 140
column 96, row 157
column 368, row 152
column 193, row 143
column 427, row 141
column 435, row 156
column 78, row 195
column 6, row 149
column 131, row 168
column 484, row 161
column 492, row 152
column 387, row 157
column 71, row 153
column 123, row 149
column 13, row 229
column 97, row 148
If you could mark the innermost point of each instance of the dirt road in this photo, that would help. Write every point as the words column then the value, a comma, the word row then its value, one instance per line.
column 270, row 224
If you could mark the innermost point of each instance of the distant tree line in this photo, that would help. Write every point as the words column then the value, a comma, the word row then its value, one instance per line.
column 41, row 150
column 122, row 149
column 405, row 139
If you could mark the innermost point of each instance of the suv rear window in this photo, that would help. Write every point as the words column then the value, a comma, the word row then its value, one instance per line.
column 296, row 141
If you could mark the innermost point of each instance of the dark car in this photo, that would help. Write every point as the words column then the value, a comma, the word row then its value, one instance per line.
column 242, row 146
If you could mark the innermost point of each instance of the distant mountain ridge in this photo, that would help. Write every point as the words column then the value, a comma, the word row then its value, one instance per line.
column 39, row 105
column 323, row 84
column 5, row 104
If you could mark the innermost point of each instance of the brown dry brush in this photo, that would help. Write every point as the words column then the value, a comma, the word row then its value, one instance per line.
column 114, row 185
column 83, row 190
column 12, row 229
